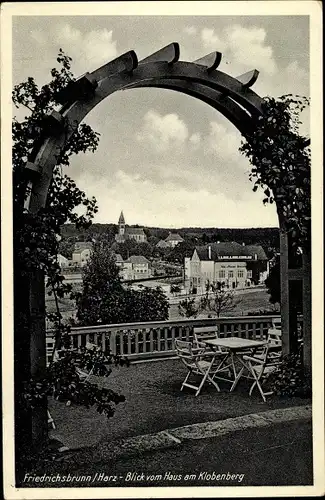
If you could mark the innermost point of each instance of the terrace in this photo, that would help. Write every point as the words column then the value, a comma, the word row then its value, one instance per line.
column 151, row 384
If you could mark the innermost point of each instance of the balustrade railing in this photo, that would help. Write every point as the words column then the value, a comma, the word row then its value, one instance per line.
column 157, row 339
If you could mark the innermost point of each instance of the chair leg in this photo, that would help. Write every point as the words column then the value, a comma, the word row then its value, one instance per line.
column 206, row 374
column 257, row 383
column 186, row 379
column 50, row 420
column 214, row 383
column 261, row 391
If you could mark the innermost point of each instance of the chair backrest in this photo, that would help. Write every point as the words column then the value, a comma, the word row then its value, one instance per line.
column 202, row 333
column 183, row 348
column 276, row 323
column 270, row 355
column 274, row 337
column 184, row 351
column 92, row 347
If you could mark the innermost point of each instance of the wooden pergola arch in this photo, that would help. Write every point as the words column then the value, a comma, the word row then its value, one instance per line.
column 233, row 97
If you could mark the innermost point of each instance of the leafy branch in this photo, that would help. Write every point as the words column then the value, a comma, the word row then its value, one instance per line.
column 280, row 159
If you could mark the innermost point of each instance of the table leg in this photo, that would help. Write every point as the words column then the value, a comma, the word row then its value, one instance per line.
column 240, row 373
column 220, row 367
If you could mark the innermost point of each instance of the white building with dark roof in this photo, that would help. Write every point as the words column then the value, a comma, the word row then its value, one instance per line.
column 82, row 252
column 162, row 244
column 135, row 267
column 230, row 263
column 173, row 239
column 128, row 233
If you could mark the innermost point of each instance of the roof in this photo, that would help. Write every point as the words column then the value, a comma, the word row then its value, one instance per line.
column 83, row 245
column 174, row 237
column 162, row 244
column 230, row 249
column 121, row 218
column 258, row 250
column 134, row 230
column 80, row 251
column 137, row 259
column 118, row 257
column 62, row 258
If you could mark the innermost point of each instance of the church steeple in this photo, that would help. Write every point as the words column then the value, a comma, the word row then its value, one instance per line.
column 121, row 224
column 121, row 219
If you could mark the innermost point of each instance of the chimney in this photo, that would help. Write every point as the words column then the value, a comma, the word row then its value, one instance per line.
column 209, row 252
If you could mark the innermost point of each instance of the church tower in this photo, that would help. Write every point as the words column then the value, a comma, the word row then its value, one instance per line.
column 121, row 225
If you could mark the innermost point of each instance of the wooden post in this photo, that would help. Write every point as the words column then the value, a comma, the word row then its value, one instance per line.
column 22, row 416
column 38, row 352
column 307, row 324
column 284, row 282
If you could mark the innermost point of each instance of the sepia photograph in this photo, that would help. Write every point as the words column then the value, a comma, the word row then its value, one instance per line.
column 162, row 249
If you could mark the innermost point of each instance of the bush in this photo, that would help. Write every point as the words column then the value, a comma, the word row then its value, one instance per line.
column 288, row 379
column 63, row 382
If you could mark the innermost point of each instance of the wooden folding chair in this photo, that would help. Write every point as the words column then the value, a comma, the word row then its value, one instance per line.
column 201, row 334
column 261, row 366
column 82, row 374
column 196, row 364
column 276, row 324
column 274, row 338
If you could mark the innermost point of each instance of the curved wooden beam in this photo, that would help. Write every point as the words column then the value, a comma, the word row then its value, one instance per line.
column 188, row 72
column 220, row 102
column 211, row 61
column 190, row 78
column 169, row 54
column 89, row 81
column 248, row 79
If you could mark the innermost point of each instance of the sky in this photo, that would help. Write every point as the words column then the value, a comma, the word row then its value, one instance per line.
column 164, row 158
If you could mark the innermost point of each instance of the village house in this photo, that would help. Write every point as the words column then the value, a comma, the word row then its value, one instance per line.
column 63, row 261
column 171, row 241
column 135, row 267
column 82, row 252
column 229, row 263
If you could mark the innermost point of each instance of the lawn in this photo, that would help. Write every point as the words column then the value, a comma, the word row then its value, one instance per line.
column 154, row 402
column 249, row 301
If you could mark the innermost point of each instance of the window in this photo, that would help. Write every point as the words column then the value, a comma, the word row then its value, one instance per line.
column 249, row 274
column 230, row 274
column 240, row 273
column 222, row 274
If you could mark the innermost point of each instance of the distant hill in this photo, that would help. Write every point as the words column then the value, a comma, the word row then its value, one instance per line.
column 268, row 237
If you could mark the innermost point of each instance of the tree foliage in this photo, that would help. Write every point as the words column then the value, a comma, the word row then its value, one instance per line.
column 131, row 247
column 272, row 283
column 37, row 235
column 64, row 383
column 281, row 164
column 218, row 299
column 104, row 299
column 188, row 308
